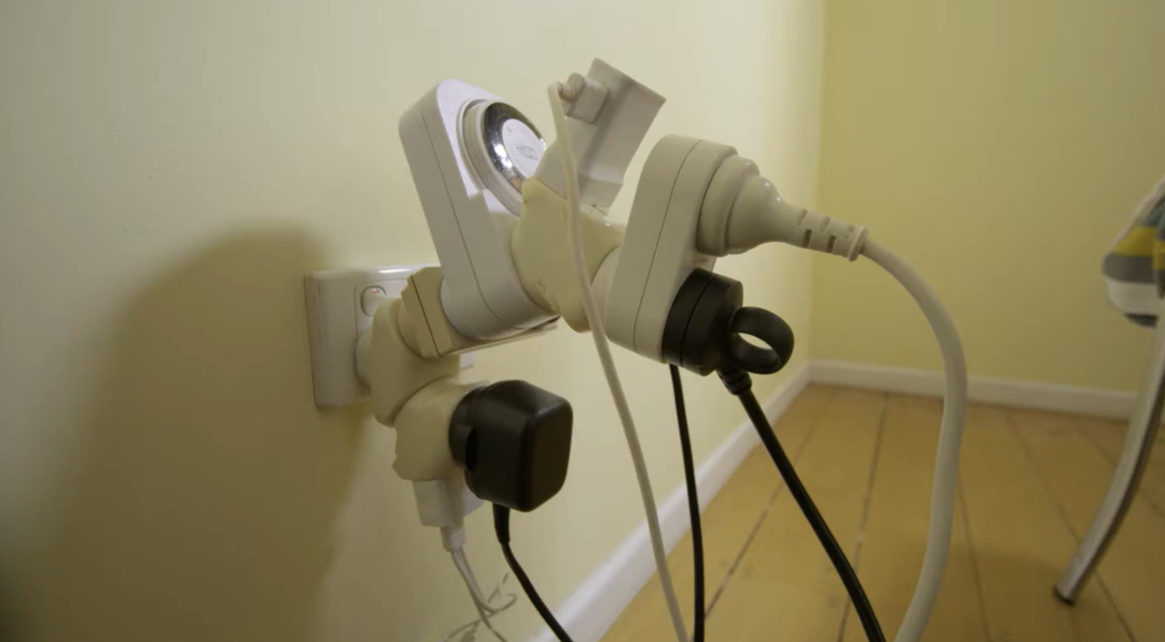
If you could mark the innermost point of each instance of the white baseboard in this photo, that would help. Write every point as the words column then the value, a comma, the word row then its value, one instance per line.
column 1116, row 404
column 599, row 601
column 595, row 606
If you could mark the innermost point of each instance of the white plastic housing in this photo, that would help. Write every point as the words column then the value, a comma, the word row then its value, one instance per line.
column 445, row 502
column 603, row 148
column 470, row 226
column 341, row 305
column 660, row 250
column 697, row 200
column 336, row 316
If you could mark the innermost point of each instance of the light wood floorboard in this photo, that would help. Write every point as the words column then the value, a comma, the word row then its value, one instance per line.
column 1030, row 482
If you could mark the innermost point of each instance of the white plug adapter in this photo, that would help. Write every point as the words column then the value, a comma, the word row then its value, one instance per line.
column 610, row 113
column 660, row 248
column 469, row 153
column 444, row 503
column 698, row 200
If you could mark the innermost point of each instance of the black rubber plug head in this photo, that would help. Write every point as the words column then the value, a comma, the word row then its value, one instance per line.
column 698, row 325
column 513, row 440
column 706, row 323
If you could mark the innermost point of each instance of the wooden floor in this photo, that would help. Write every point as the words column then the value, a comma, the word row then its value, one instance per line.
column 1030, row 482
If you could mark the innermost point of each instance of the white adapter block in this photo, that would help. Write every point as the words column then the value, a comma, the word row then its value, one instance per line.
column 481, row 293
column 659, row 250
column 340, row 305
column 602, row 143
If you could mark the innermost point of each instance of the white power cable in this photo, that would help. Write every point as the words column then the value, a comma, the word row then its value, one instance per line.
column 594, row 319
column 759, row 215
column 467, row 632
column 485, row 610
column 461, row 561
column 946, row 464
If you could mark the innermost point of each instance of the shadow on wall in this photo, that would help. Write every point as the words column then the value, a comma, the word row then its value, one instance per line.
column 202, row 503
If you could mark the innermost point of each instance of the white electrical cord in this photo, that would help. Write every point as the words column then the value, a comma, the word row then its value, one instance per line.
column 466, row 632
column 946, row 465
column 594, row 319
column 485, row 610
column 462, row 563
column 759, row 215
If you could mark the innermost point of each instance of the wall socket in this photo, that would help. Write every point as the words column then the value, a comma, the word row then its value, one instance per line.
column 340, row 304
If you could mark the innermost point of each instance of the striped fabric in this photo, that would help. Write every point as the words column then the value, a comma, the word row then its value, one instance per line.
column 1134, row 271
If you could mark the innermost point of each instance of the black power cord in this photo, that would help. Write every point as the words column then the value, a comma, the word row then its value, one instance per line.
column 693, row 505
column 739, row 383
column 502, row 526
column 705, row 331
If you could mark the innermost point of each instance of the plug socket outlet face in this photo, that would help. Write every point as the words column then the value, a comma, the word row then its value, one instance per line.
column 340, row 305
column 336, row 316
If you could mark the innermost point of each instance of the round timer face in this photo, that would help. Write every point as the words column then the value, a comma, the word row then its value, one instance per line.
column 504, row 149
column 523, row 146
column 514, row 147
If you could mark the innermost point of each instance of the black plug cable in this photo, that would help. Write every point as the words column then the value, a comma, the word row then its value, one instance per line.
column 739, row 383
column 502, row 526
column 705, row 331
column 693, row 505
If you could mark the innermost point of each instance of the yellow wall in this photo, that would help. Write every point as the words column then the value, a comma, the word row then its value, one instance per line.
column 170, row 170
column 999, row 146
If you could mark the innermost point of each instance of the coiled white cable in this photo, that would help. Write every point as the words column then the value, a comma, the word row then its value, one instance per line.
column 485, row 610
column 946, row 465
column 461, row 561
column 594, row 319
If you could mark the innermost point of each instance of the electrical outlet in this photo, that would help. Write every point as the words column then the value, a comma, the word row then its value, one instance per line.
column 340, row 305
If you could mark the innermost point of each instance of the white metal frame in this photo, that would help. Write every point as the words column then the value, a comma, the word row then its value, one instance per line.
column 1143, row 426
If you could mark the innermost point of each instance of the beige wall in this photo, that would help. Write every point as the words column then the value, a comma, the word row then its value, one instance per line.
column 170, row 170
column 999, row 146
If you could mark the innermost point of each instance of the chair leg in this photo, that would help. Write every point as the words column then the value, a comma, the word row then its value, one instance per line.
column 1135, row 455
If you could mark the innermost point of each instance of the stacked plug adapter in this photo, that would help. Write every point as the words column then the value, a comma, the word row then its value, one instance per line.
column 460, row 444
column 458, row 441
column 696, row 201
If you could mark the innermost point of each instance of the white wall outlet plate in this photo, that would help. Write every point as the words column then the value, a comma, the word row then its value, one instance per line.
column 340, row 304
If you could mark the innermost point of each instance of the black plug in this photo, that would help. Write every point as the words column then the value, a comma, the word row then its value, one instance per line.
column 705, row 323
column 513, row 440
